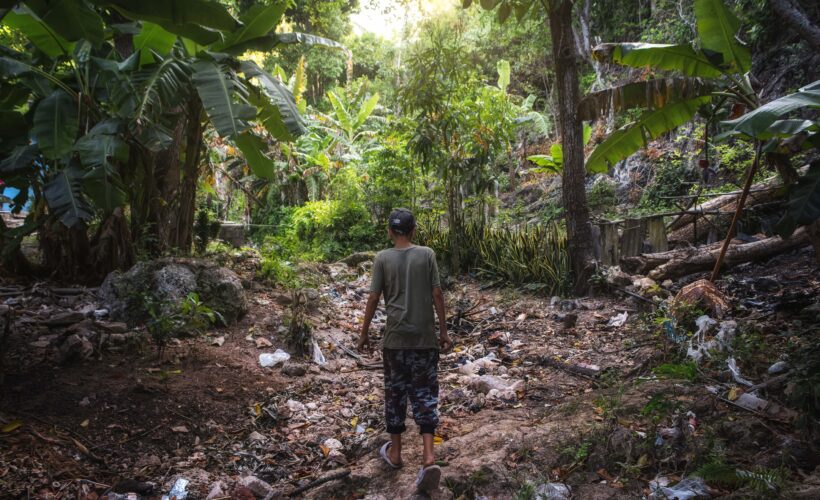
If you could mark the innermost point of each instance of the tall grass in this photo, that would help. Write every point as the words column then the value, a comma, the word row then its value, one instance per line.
column 533, row 257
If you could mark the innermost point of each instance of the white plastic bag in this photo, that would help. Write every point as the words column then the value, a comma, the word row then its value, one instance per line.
column 318, row 357
column 267, row 359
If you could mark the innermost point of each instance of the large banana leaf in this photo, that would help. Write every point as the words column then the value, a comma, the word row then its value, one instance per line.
column 630, row 138
column 259, row 20
column 21, row 158
column 279, row 95
column 219, row 92
column 55, row 124
column 175, row 13
column 267, row 43
column 72, row 19
column 64, row 195
column 40, row 82
column 252, row 148
column 99, row 150
column 717, row 30
column 157, row 89
column 650, row 94
column 683, row 58
column 153, row 38
column 268, row 114
column 756, row 123
column 366, row 110
column 341, row 112
column 38, row 32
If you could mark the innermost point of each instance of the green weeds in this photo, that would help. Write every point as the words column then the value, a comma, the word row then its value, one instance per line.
column 534, row 258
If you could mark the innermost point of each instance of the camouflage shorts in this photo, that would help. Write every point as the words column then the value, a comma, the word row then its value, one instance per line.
column 414, row 374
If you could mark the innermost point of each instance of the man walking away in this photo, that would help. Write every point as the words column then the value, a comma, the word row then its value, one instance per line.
column 408, row 277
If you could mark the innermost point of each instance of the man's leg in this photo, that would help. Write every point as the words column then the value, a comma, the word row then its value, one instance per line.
column 396, row 384
column 424, row 398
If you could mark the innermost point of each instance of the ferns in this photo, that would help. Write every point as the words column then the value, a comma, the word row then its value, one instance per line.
column 760, row 480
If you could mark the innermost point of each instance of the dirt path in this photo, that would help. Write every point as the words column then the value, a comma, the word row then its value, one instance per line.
column 212, row 415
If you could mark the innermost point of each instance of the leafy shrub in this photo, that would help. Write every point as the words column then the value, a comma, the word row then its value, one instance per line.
column 532, row 257
column 602, row 197
column 206, row 228
column 323, row 230
column 167, row 320
column 278, row 271
column 672, row 177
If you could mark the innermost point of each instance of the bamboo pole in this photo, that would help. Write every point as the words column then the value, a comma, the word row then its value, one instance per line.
column 746, row 187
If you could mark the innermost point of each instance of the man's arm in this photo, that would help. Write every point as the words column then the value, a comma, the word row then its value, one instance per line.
column 369, row 311
column 438, row 301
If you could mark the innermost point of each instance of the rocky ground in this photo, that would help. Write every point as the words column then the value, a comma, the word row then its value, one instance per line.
column 541, row 397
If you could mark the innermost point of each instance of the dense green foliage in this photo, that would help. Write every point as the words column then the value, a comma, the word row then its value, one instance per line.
column 314, row 147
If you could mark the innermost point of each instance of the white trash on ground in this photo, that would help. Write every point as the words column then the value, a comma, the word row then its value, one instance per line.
column 552, row 491
column 618, row 319
column 267, row 359
column 686, row 489
column 318, row 357
column 736, row 372
column 488, row 362
column 722, row 341
column 178, row 491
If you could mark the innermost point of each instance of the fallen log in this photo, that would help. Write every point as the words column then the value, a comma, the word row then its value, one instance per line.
column 684, row 261
column 719, row 217
column 759, row 190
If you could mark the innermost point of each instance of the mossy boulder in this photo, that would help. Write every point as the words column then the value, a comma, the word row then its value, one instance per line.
column 170, row 280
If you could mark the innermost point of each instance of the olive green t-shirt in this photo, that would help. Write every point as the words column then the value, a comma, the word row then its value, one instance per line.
column 407, row 277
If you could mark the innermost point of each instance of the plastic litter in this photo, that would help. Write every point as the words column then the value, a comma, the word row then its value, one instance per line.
column 179, row 491
column 698, row 347
column 618, row 319
column 736, row 372
column 552, row 491
column 487, row 383
column 686, row 489
column 318, row 357
column 669, row 329
column 722, row 341
column 268, row 359
column 751, row 402
column 488, row 363
column 777, row 368
column 100, row 313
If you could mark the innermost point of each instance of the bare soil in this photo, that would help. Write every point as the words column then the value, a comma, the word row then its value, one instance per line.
column 125, row 421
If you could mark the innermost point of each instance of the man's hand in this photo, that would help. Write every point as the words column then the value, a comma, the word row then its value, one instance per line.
column 364, row 343
column 444, row 341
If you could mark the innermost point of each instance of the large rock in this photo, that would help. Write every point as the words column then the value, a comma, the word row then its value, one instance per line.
column 170, row 280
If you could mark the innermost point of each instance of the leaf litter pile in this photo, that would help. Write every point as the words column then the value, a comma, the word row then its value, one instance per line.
column 540, row 395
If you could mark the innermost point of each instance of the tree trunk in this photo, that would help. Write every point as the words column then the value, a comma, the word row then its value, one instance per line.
column 579, row 234
column 112, row 246
column 66, row 251
column 684, row 261
column 182, row 236
column 791, row 12
column 455, row 228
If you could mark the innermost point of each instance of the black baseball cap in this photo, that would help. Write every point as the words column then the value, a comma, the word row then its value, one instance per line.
column 401, row 221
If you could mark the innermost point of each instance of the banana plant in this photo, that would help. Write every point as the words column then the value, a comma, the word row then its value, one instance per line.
column 554, row 162
column 91, row 104
column 785, row 135
column 713, row 69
